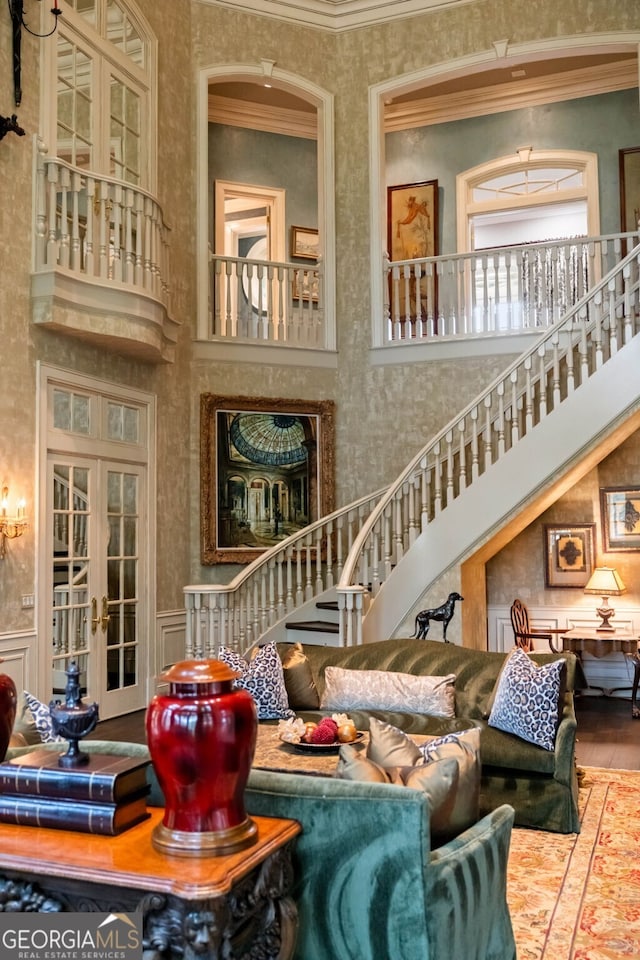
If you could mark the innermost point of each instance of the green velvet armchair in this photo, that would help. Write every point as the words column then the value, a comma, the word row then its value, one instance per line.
column 369, row 887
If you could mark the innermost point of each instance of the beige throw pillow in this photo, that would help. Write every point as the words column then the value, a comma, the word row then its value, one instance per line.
column 387, row 744
column 347, row 690
column 438, row 780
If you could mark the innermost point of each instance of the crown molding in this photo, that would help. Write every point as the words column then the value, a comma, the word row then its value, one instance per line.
column 570, row 85
column 336, row 15
column 515, row 95
column 261, row 116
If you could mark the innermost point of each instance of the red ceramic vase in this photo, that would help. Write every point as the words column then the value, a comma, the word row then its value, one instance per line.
column 8, row 704
column 202, row 738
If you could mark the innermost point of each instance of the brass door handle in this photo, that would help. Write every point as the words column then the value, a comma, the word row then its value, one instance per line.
column 104, row 619
column 95, row 619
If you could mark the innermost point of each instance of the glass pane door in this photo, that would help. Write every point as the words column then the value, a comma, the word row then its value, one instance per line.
column 122, row 606
column 70, row 565
column 96, row 573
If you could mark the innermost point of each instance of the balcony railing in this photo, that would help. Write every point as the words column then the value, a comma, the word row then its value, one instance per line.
column 264, row 300
column 100, row 229
column 495, row 292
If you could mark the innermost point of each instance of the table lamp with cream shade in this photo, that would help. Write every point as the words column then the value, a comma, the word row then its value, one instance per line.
column 605, row 582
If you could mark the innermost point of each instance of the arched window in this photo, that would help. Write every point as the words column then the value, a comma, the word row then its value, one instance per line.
column 529, row 196
column 99, row 108
column 526, row 198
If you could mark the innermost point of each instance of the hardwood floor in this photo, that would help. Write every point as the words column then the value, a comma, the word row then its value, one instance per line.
column 607, row 734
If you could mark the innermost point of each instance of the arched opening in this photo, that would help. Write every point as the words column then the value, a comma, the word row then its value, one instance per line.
column 249, row 200
column 480, row 85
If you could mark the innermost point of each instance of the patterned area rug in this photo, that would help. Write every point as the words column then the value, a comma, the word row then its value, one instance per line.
column 578, row 897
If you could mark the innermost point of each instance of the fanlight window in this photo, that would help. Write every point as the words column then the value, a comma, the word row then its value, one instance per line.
column 529, row 182
column 505, row 205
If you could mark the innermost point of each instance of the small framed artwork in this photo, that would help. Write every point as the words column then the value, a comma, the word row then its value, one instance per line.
column 568, row 553
column 412, row 234
column 305, row 243
column 629, row 162
column 620, row 518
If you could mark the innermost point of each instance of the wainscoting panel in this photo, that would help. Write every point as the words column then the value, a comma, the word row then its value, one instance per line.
column 171, row 628
column 613, row 674
column 18, row 656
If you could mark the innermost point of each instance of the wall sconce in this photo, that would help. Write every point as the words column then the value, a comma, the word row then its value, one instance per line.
column 11, row 527
column 605, row 582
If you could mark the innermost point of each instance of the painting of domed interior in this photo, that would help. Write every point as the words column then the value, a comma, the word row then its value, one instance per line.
column 272, row 467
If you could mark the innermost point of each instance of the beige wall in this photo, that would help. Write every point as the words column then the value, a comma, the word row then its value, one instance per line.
column 24, row 345
column 519, row 568
column 400, row 406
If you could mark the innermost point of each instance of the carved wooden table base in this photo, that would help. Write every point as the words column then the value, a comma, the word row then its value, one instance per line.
column 210, row 908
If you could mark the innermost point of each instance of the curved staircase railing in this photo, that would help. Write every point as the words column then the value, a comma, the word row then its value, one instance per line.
column 303, row 567
column 527, row 392
column 355, row 549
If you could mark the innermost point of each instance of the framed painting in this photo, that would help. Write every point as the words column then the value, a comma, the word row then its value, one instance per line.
column 412, row 234
column 266, row 471
column 304, row 243
column 620, row 508
column 568, row 554
column 629, row 162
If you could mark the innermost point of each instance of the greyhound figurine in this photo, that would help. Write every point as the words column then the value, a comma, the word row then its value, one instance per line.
column 443, row 613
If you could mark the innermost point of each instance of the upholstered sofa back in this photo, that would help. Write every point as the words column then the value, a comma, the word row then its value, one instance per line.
column 476, row 671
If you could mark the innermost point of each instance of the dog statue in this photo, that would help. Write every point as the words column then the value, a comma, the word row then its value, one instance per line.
column 443, row 613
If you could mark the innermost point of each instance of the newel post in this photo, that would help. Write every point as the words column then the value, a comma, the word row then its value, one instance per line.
column 351, row 609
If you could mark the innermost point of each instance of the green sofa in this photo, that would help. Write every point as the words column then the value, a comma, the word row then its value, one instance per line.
column 541, row 785
column 367, row 884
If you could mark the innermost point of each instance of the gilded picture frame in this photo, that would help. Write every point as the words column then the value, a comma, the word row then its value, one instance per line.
column 267, row 469
column 568, row 553
column 620, row 509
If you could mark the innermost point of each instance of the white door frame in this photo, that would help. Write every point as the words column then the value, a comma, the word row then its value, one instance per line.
column 69, row 444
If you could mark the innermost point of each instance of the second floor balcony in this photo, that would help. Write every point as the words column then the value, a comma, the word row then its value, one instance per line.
column 102, row 264
column 101, row 261
column 495, row 299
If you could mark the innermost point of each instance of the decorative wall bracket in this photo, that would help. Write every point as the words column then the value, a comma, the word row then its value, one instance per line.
column 10, row 125
column 16, row 9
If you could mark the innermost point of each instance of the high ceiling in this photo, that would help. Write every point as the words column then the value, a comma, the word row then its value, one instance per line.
column 338, row 15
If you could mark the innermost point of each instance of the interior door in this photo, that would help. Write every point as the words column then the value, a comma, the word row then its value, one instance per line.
column 96, row 571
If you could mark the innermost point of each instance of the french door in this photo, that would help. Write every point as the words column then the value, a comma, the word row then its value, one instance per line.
column 95, row 564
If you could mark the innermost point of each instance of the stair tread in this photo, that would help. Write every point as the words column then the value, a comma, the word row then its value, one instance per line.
column 327, row 605
column 321, row 626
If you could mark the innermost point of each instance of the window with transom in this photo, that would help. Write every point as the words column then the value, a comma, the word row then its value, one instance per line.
column 100, row 112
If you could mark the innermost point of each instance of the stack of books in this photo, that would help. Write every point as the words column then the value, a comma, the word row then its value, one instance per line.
column 106, row 795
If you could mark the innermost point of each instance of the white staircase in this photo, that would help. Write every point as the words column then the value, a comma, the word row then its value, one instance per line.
column 545, row 410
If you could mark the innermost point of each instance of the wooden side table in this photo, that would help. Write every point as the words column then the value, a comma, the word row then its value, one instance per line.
column 599, row 643
column 207, row 908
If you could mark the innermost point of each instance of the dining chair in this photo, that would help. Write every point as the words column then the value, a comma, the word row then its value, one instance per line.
column 524, row 634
